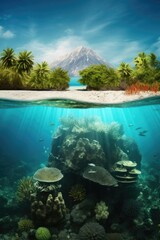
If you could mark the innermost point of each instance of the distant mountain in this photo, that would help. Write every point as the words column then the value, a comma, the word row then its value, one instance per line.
column 77, row 60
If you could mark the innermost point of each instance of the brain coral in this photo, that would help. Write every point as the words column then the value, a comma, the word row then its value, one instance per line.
column 92, row 231
column 43, row 233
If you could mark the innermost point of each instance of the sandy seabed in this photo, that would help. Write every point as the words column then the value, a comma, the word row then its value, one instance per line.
column 103, row 97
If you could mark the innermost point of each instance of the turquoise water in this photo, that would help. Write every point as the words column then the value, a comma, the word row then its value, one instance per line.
column 27, row 132
column 74, row 82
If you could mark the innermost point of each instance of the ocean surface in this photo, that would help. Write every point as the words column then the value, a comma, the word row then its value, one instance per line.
column 27, row 132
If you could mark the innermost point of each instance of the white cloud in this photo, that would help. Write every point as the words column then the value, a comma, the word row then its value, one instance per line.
column 96, row 29
column 54, row 50
column 6, row 34
column 69, row 31
column 156, row 47
column 115, row 52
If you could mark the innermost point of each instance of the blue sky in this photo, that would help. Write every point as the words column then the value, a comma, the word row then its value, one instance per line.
column 116, row 29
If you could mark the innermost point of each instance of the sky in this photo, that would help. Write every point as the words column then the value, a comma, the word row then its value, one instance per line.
column 117, row 30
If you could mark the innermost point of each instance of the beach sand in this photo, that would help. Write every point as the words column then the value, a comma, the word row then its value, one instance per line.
column 103, row 97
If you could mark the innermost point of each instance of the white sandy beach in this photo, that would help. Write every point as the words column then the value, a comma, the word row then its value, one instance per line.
column 104, row 97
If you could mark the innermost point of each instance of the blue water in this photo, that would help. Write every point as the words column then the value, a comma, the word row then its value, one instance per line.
column 26, row 132
column 74, row 82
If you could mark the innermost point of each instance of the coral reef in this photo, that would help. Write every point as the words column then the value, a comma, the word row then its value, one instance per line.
column 47, row 205
column 48, row 175
column 125, row 171
column 25, row 189
column 48, row 210
column 99, row 175
column 79, row 152
column 101, row 211
column 77, row 192
column 25, row 225
column 92, row 231
column 78, row 142
column 43, row 233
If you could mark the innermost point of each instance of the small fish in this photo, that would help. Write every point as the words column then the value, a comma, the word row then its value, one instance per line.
column 141, row 134
column 52, row 123
column 145, row 131
column 138, row 128
column 91, row 164
column 91, row 171
column 41, row 140
column 130, row 125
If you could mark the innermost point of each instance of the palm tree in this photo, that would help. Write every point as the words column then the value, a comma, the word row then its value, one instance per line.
column 125, row 72
column 8, row 58
column 152, row 58
column 24, row 62
column 40, row 76
column 141, row 60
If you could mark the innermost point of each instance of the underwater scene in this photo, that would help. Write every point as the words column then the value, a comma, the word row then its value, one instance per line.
column 72, row 170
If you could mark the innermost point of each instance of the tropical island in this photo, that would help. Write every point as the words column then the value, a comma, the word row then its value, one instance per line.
column 20, row 72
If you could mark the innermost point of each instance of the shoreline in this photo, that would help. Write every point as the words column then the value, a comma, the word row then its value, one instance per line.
column 101, row 97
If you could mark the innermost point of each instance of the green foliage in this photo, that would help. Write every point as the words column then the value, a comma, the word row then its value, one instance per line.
column 24, row 62
column 40, row 76
column 99, row 77
column 8, row 58
column 59, row 79
column 147, row 68
column 43, row 233
column 19, row 72
column 10, row 79
column 125, row 74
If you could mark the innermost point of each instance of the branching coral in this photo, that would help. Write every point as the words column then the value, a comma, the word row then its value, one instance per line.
column 77, row 192
column 101, row 211
column 25, row 189
column 50, row 210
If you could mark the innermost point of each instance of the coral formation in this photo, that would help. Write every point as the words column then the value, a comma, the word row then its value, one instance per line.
column 125, row 171
column 79, row 152
column 77, row 192
column 92, row 231
column 25, row 189
column 48, row 175
column 48, row 210
column 43, row 233
column 99, row 175
column 101, row 211
column 78, row 142
column 25, row 225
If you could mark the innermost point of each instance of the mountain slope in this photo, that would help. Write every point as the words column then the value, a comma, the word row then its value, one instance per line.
column 77, row 60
